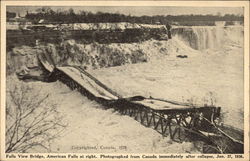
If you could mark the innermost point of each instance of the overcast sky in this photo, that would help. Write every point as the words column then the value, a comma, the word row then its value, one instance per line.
column 139, row 11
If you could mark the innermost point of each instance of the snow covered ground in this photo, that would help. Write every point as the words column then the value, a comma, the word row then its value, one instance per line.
column 210, row 76
column 92, row 129
column 207, row 77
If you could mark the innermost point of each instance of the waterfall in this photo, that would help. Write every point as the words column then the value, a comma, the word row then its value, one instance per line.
column 209, row 37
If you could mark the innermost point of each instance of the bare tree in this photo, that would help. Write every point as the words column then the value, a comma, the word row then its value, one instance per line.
column 31, row 119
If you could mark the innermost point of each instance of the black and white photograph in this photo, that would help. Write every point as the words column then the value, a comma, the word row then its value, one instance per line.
column 100, row 79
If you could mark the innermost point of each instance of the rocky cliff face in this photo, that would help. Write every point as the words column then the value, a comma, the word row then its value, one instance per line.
column 86, row 33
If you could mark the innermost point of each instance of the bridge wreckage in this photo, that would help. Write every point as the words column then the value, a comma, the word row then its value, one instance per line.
column 181, row 121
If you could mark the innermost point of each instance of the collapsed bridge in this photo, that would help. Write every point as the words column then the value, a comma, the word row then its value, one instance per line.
column 180, row 121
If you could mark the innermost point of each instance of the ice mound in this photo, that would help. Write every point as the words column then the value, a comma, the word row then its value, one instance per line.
column 94, row 56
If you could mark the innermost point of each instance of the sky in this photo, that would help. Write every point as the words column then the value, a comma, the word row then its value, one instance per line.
column 138, row 10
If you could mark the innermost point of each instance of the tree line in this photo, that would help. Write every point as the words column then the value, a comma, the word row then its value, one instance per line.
column 70, row 16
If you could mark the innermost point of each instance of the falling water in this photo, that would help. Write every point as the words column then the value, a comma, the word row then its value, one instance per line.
column 209, row 37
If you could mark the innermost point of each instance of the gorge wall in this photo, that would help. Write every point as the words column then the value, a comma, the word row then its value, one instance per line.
column 96, row 55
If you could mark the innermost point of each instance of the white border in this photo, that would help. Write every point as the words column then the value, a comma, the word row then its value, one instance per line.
column 244, row 4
